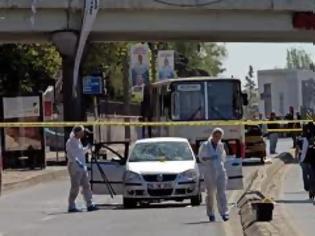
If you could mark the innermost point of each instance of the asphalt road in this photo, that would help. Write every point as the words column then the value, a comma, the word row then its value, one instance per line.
column 41, row 210
column 300, row 211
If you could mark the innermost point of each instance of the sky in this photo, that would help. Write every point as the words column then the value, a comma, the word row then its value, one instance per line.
column 260, row 55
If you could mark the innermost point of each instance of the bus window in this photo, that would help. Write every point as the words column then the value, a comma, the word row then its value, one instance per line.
column 221, row 101
column 188, row 102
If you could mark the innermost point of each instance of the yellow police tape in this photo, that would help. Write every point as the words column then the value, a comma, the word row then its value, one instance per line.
column 283, row 130
column 154, row 124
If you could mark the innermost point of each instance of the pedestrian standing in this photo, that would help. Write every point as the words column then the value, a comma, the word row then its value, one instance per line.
column 212, row 155
column 273, row 136
column 290, row 116
column 304, row 153
column 78, row 170
column 308, row 158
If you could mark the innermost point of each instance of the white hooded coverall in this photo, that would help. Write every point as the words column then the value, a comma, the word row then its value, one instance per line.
column 215, row 175
column 78, row 171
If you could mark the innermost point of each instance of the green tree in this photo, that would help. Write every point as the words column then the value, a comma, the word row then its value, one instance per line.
column 299, row 59
column 251, row 90
column 27, row 68
column 201, row 56
column 107, row 59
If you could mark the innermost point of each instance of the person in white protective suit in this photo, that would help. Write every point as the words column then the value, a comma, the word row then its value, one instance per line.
column 78, row 170
column 212, row 155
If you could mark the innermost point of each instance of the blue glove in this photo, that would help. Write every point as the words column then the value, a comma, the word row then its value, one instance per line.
column 206, row 158
column 80, row 164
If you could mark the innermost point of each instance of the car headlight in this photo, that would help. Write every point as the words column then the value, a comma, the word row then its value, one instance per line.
column 132, row 177
column 189, row 175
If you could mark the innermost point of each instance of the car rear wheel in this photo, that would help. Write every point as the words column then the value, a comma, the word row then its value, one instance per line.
column 196, row 200
column 129, row 203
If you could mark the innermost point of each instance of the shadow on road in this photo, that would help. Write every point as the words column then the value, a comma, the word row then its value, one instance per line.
column 59, row 213
column 200, row 223
column 143, row 206
column 295, row 201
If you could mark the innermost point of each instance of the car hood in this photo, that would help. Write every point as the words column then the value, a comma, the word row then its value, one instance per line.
column 156, row 167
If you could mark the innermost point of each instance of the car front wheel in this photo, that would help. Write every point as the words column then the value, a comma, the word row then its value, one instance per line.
column 196, row 200
column 129, row 203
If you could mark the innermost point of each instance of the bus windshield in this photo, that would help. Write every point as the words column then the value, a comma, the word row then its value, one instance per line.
column 210, row 100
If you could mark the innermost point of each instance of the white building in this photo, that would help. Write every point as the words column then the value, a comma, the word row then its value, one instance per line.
column 281, row 88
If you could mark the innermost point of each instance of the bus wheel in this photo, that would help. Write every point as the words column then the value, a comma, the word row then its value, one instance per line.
column 196, row 200
column 129, row 203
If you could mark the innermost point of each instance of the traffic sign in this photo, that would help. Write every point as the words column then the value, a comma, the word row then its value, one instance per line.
column 93, row 85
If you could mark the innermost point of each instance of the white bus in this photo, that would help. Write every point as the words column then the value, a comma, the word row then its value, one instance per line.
column 198, row 99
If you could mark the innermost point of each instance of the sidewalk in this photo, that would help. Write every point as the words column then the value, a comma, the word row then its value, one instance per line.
column 299, row 210
column 14, row 179
column 19, row 178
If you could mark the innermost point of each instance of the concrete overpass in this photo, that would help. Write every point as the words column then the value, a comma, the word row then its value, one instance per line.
column 209, row 20
column 62, row 21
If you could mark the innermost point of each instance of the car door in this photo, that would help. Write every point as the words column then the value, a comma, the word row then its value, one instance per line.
column 107, row 170
column 234, row 172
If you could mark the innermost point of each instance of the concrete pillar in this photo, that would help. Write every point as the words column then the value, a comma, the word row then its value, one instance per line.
column 74, row 109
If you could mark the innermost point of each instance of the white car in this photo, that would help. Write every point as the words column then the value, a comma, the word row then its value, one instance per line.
column 156, row 169
column 161, row 169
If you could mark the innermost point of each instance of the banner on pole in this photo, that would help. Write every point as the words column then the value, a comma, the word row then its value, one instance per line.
column 139, row 65
column 166, row 65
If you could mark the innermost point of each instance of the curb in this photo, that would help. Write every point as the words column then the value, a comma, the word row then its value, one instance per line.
column 265, row 182
column 42, row 178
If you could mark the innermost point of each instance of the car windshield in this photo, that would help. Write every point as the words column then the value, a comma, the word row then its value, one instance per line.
column 161, row 151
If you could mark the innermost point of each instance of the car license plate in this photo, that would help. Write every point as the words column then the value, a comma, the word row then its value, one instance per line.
column 159, row 185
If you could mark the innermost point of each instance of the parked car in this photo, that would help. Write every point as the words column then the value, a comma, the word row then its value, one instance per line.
column 255, row 146
column 54, row 139
column 161, row 169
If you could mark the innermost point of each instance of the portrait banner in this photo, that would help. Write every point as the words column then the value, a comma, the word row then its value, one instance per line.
column 139, row 65
column 166, row 65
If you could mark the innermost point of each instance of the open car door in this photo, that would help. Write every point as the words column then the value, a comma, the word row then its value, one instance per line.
column 234, row 172
column 107, row 167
